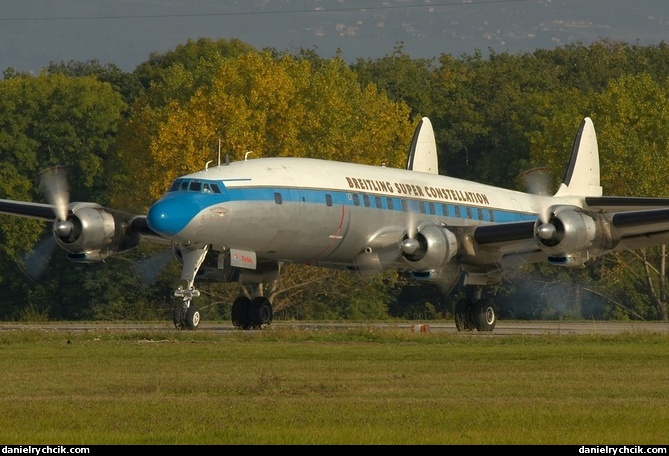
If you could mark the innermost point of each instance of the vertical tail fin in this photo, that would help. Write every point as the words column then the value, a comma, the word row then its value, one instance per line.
column 582, row 175
column 423, row 152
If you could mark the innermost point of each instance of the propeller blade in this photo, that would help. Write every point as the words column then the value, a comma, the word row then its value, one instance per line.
column 537, row 181
column 412, row 229
column 53, row 183
column 34, row 263
column 147, row 270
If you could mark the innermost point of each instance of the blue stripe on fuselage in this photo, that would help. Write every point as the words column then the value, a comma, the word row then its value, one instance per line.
column 175, row 210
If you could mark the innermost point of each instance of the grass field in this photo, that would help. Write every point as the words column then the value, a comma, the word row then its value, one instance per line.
column 361, row 386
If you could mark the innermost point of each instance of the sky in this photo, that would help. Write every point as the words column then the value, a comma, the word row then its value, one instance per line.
column 34, row 33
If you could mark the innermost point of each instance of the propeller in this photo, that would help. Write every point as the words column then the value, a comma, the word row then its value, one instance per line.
column 53, row 184
column 537, row 181
column 546, row 231
column 34, row 263
column 410, row 244
column 147, row 270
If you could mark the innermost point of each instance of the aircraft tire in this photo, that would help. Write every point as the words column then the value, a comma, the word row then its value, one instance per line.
column 485, row 317
column 240, row 309
column 178, row 316
column 463, row 315
column 192, row 319
column 261, row 312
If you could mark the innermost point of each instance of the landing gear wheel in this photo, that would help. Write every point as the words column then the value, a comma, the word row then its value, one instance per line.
column 464, row 315
column 192, row 320
column 179, row 316
column 260, row 312
column 240, row 311
column 484, row 315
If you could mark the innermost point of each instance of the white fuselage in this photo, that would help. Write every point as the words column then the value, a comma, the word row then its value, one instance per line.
column 324, row 212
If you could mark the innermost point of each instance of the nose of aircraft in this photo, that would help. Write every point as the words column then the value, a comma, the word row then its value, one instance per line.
column 169, row 216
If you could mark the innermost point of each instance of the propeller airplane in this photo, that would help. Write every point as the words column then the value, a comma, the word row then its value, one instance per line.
column 241, row 221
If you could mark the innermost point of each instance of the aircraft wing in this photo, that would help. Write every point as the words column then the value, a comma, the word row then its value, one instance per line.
column 38, row 211
column 509, row 244
column 632, row 223
column 625, row 203
column 637, row 222
column 135, row 225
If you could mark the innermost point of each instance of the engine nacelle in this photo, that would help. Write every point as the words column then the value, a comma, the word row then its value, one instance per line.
column 447, row 276
column 571, row 237
column 94, row 235
column 436, row 246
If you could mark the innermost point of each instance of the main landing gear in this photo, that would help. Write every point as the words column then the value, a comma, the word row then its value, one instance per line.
column 253, row 313
column 479, row 315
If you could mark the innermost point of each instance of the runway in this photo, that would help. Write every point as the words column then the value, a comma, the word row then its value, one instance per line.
column 502, row 328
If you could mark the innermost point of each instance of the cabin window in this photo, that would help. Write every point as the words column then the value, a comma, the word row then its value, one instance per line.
column 215, row 188
column 405, row 205
column 195, row 186
column 469, row 213
column 457, row 212
column 278, row 199
column 432, row 209
column 391, row 204
column 184, row 185
column 491, row 214
column 366, row 201
column 328, row 199
column 356, row 199
column 206, row 188
column 480, row 213
column 175, row 186
column 377, row 201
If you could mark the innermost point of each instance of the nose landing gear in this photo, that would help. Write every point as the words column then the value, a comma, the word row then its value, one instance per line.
column 185, row 314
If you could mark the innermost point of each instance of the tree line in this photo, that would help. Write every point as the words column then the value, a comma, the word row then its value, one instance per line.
column 124, row 136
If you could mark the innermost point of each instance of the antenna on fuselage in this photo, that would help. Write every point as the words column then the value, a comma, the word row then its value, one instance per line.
column 219, row 151
column 247, row 154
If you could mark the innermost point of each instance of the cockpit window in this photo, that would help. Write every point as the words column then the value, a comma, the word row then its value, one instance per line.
column 183, row 185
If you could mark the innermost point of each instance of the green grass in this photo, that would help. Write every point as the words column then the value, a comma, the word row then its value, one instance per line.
column 362, row 386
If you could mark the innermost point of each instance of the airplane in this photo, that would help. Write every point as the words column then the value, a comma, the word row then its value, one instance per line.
column 242, row 220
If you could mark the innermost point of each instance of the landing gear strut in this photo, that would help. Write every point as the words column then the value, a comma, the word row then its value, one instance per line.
column 185, row 314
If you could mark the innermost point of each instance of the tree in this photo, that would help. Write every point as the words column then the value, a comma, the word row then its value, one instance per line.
column 127, row 84
column 259, row 104
column 629, row 116
column 189, row 56
column 50, row 120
